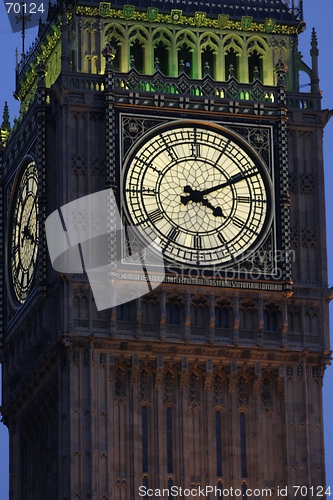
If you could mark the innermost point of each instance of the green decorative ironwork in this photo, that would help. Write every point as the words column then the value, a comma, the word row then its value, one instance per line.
column 270, row 24
column 176, row 16
column 199, row 18
column 152, row 13
column 223, row 20
column 246, row 22
column 104, row 9
column 128, row 11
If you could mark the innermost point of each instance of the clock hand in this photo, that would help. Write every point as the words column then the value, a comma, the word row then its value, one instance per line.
column 197, row 196
column 217, row 211
column 232, row 180
column 27, row 234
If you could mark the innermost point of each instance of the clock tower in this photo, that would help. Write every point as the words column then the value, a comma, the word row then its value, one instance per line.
column 191, row 113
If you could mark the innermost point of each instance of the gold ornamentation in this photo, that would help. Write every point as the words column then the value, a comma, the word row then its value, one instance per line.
column 222, row 20
column 176, row 16
column 199, row 18
column 188, row 21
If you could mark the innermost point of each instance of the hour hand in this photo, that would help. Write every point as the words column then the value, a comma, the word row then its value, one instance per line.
column 194, row 195
column 217, row 211
column 27, row 234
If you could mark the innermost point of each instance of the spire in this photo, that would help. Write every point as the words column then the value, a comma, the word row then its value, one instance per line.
column 314, row 44
column 281, row 70
column 5, row 126
column 314, row 52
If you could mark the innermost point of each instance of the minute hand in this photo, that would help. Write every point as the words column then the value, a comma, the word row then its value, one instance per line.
column 232, row 180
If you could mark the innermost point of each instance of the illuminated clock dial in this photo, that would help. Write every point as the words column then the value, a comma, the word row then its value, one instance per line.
column 202, row 189
column 23, row 239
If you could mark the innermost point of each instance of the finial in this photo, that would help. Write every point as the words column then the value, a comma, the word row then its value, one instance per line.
column 314, row 52
column 5, row 124
column 314, row 44
column 109, row 53
column 5, row 127
column 281, row 70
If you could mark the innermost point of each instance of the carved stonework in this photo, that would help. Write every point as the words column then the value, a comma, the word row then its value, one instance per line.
column 309, row 237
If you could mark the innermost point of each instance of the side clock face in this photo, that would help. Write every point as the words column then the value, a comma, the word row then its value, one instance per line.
column 23, row 235
column 202, row 189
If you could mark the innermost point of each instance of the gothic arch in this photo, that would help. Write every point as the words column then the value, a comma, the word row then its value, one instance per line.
column 199, row 310
column 272, row 321
column 140, row 34
column 255, row 43
column 174, row 308
column 248, row 321
column 150, row 313
column 115, row 31
column 162, row 46
column 162, row 35
column 186, row 44
column 223, row 313
column 139, row 46
column 257, row 57
column 209, row 49
column 233, row 50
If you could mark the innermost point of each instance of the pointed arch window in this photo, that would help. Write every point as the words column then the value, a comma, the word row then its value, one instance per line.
column 162, row 53
column 137, row 56
column 172, row 313
column 222, row 316
column 270, row 320
column 185, row 61
column 124, row 312
column 208, row 62
column 231, row 64
column 255, row 67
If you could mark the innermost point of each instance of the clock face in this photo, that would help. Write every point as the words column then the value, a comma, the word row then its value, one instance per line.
column 202, row 189
column 23, row 236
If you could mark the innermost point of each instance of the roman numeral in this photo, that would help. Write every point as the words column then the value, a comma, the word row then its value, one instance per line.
column 155, row 216
column 197, row 241
column 173, row 234
column 238, row 222
column 243, row 199
column 195, row 150
column 221, row 238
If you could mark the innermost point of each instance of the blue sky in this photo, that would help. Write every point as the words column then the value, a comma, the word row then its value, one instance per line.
column 318, row 14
